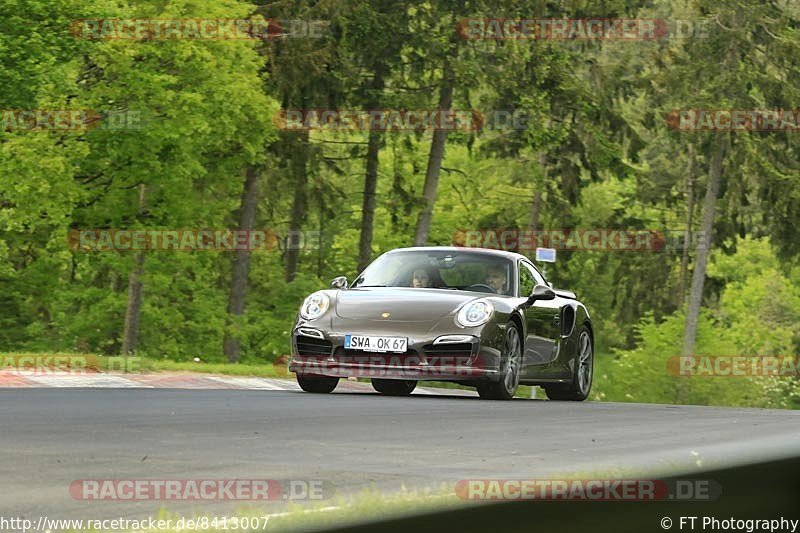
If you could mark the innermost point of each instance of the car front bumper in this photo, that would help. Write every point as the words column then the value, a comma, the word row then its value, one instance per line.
column 431, row 354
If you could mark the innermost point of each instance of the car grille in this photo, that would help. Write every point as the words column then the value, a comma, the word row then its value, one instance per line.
column 448, row 354
column 433, row 355
column 343, row 356
column 312, row 346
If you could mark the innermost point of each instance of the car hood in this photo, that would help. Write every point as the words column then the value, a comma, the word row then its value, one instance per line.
column 402, row 303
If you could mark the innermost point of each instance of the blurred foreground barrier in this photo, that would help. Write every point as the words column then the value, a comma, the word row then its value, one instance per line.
column 755, row 497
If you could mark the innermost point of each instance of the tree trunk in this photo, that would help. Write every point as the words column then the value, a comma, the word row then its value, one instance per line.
column 536, row 205
column 299, row 205
column 231, row 344
column 536, row 209
column 703, row 247
column 133, row 310
column 320, row 254
column 687, row 234
column 370, row 177
column 435, row 157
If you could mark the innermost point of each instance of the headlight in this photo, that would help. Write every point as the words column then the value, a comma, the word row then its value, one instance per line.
column 314, row 306
column 475, row 313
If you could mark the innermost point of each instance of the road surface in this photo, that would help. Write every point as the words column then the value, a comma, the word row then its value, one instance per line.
column 353, row 440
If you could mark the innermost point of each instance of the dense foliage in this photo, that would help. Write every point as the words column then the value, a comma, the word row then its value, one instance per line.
column 596, row 151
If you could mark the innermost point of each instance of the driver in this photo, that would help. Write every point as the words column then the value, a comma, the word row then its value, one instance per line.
column 496, row 278
column 420, row 279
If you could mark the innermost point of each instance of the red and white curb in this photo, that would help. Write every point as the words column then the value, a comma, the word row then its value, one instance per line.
column 181, row 381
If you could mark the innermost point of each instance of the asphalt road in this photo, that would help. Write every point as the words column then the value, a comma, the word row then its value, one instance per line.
column 52, row 437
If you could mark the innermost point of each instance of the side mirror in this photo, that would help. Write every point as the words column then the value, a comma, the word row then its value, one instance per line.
column 339, row 283
column 540, row 292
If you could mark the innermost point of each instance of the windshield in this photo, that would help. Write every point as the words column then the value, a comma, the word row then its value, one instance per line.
column 436, row 269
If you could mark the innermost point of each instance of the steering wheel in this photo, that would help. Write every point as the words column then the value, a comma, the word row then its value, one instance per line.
column 482, row 286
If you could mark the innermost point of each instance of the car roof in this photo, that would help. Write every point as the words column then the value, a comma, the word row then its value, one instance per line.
column 460, row 249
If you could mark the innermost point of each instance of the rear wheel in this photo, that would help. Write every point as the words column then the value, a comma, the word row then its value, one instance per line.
column 578, row 389
column 394, row 387
column 510, row 367
column 317, row 384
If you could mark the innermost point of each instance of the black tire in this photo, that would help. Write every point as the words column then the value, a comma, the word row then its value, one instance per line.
column 394, row 387
column 510, row 368
column 581, row 385
column 317, row 384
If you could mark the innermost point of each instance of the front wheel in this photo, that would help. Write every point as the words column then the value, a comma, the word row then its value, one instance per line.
column 578, row 389
column 317, row 384
column 394, row 387
column 511, row 365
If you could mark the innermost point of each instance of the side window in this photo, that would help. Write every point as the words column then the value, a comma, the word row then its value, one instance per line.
column 537, row 276
column 526, row 280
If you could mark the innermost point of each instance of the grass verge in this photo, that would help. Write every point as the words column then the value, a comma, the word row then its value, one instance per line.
column 366, row 506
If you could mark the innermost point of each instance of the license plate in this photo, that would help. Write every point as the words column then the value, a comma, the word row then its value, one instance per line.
column 371, row 343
